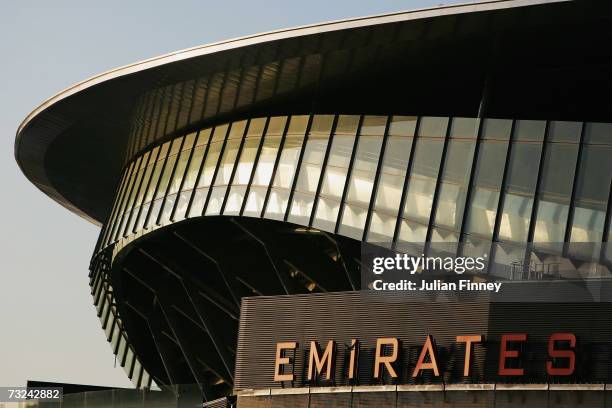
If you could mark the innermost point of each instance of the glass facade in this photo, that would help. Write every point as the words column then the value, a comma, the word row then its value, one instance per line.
column 387, row 179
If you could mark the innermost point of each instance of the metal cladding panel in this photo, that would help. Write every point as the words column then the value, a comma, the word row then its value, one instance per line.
column 367, row 316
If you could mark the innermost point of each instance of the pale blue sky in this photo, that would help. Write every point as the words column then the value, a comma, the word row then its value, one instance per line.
column 49, row 327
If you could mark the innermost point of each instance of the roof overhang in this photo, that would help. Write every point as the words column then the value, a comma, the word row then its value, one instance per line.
column 74, row 145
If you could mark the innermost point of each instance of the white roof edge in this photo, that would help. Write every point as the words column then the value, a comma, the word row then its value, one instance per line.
column 460, row 8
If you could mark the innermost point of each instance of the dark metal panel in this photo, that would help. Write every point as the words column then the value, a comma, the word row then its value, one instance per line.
column 347, row 315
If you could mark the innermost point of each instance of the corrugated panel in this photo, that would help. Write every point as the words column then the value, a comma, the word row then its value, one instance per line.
column 370, row 315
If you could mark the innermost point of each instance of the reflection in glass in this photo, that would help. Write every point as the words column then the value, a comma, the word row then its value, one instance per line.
column 210, row 164
column 226, row 168
column 391, row 180
column 162, row 185
column 192, row 174
column 520, row 187
column 555, row 192
column 250, row 166
column 117, row 231
column 265, row 166
column 592, row 193
column 423, row 178
column 177, row 179
column 310, row 170
column 285, row 172
column 489, row 171
column 454, row 181
column 244, row 167
column 109, row 227
column 363, row 172
column 334, row 178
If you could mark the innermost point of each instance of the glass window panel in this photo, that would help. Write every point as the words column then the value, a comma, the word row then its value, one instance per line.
column 219, row 133
column 204, row 137
column 327, row 214
column 423, row 178
column 121, row 350
column 110, row 325
column 183, row 202
column 288, row 161
column 454, row 183
column 110, row 227
column 518, row 200
column 164, row 182
column 353, row 221
column 159, row 164
column 256, row 127
column 192, row 172
column 298, row 125
column 555, row 192
column 175, row 146
column 592, row 193
column 179, row 172
column 533, row 130
column 277, row 204
column 216, row 200
column 199, row 199
column 347, row 125
column 194, row 166
column 301, row 208
column 146, row 379
column 361, row 183
column 310, row 170
column 276, row 125
column 120, row 223
column 498, row 129
column 560, row 131
column 265, row 167
column 335, row 173
column 246, row 161
column 431, row 126
column 214, row 151
column 166, row 211
column 267, row 158
column 464, row 128
column 598, row 133
column 382, row 227
column 234, row 200
column 137, row 371
column 487, row 183
column 142, row 215
column 226, row 167
column 146, row 185
column 244, row 169
column 321, row 125
column 391, row 180
column 255, row 202
column 116, row 336
column 189, row 141
column 237, row 130
column 402, row 126
column 373, row 126
column 129, row 360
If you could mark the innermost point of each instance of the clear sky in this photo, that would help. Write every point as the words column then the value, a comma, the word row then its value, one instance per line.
column 49, row 327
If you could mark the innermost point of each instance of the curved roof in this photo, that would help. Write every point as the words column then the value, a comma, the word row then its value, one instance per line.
column 73, row 146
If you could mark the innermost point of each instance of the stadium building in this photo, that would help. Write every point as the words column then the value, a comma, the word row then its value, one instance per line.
column 237, row 183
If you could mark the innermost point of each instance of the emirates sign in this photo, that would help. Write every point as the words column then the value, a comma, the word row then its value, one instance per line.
column 561, row 357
